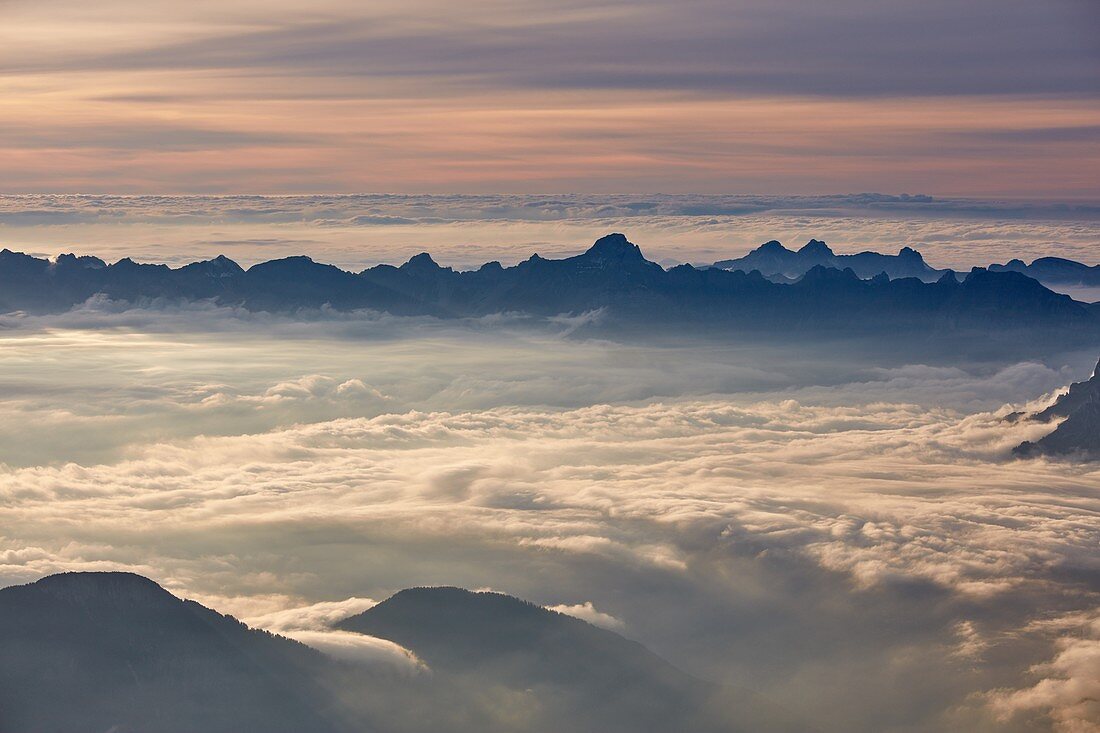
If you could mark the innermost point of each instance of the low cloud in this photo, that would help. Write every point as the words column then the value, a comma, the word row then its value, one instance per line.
column 1068, row 687
column 360, row 649
column 587, row 612
column 813, row 531
column 314, row 616
column 312, row 625
column 359, row 231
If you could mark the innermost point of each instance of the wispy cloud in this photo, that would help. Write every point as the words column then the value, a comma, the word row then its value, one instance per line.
column 569, row 95
column 859, row 47
column 1067, row 687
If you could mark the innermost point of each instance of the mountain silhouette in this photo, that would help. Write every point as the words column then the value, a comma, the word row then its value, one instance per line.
column 779, row 264
column 108, row 651
column 116, row 652
column 773, row 260
column 1078, row 433
column 586, row 678
column 630, row 294
column 1054, row 270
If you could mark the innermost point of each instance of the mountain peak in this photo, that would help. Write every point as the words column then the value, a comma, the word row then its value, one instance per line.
column 220, row 266
column 226, row 265
column 772, row 246
column 129, row 266
column 99, row 651
column 816, row 248
column 422, row 262
column 295, row 264
column 614, row 247
column 452, row 599
column 116, row 589
column 85, row 261
column 451, row 627
column 7, row 254
column 822, row 274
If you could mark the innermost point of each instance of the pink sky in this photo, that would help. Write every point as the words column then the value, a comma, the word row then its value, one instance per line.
column 994, row 99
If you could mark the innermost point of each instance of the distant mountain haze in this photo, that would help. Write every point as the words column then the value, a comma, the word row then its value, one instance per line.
column 622, row 292
column 1054, row 270
column 776, row 262
column 773, row 260
column 95, row 652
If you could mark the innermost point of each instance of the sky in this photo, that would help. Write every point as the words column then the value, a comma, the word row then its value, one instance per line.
column 984, row 98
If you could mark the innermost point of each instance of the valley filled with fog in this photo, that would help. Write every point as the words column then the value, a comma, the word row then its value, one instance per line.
column 846, row 534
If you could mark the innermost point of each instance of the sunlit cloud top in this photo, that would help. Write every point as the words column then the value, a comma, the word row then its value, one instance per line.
column 990, row 97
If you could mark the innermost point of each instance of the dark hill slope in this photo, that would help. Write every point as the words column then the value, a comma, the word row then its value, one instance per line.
column 98, row 652
column 95, row 652
column 585, row 678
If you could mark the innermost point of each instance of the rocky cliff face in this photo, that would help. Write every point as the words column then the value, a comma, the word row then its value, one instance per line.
column 1078, row 433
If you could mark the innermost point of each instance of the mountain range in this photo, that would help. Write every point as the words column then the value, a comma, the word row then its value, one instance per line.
column 612, row 281
column 777, row 263
column 1054, row 270
column 97, row 652
column 1078, row 430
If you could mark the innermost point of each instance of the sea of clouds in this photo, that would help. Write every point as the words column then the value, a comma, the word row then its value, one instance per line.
column 847, row 535
column 357, row 231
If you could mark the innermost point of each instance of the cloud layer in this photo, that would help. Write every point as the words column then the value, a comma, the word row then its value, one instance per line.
column 358, row 231
column 819, row 533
